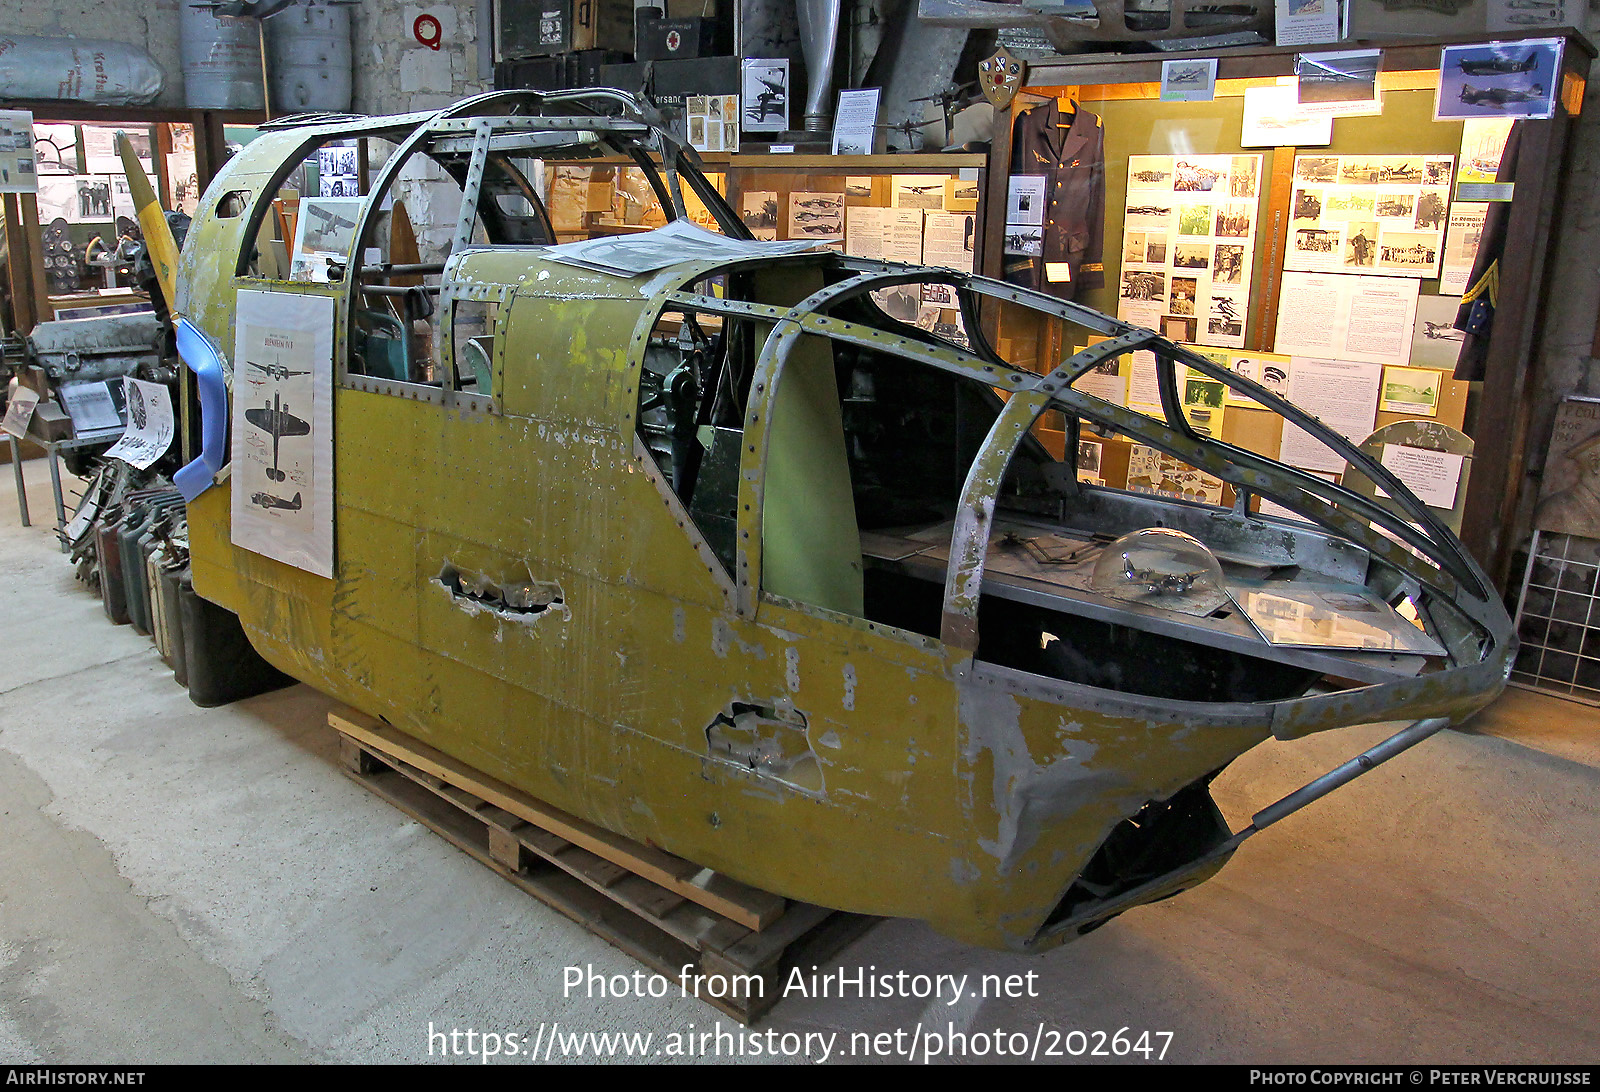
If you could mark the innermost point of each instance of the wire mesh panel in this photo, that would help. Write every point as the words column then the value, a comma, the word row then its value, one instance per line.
column 1558, row 617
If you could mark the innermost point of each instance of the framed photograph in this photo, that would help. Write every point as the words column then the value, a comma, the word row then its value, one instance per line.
column 1499, row 80
column 764, row 94
column 1188, row 80
column 324, row 231
column 1342, row 84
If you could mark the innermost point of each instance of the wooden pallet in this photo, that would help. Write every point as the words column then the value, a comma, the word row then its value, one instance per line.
column 666, row 912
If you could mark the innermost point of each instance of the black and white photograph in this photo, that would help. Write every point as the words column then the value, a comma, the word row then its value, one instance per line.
column 1233, row 220
column 1319, row 170
column 759, row 211
column 1227, row 264
column 337, row 173
column 1188, row 80
column 1340, row 82
column 1192, row 256
column 1360, row 244
column 1144, row 286
column 1149, row 172
column 1408, row 251
column 1133, row 248
column 1024, row 239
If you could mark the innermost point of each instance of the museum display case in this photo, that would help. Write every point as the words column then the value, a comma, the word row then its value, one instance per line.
column 1323, row 248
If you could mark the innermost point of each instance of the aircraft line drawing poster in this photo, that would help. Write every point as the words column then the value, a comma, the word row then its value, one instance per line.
column 283, row 428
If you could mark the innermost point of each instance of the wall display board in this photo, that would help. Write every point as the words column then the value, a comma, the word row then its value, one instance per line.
column 1359, row 334
column 1380, row 214
column 1188, row 241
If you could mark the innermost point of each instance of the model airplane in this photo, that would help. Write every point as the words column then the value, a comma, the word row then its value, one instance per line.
column 1159, row 583
column 276, row 421
column 717, row 485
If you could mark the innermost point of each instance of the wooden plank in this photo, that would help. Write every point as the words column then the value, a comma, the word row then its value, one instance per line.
column 352, row 757
column 520, row 849
column 210, row 145
column 657, row 938
column 747, row 905
column 592, row 867
column 505, row 848
column 542, row 841
column 1272, row 241
column 1489, row 526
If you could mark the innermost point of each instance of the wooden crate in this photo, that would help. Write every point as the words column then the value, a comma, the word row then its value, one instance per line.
column 664, row 911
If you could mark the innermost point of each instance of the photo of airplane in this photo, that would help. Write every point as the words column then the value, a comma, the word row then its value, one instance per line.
column 1499, row 96
column 277, row 422
column 1498, row 66
column 326, row 230
column 267, row 500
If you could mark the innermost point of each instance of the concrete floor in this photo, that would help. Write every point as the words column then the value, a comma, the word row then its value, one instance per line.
column 183, row 885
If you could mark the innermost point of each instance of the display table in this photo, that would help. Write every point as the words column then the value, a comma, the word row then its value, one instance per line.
column 52, row 449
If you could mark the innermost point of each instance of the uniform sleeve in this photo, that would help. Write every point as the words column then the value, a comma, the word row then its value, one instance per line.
column 1092, row 273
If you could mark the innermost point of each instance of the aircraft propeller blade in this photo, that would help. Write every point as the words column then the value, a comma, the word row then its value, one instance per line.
column 158, row 239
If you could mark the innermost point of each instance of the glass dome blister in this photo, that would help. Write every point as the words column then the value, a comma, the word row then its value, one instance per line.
column 1160, row 567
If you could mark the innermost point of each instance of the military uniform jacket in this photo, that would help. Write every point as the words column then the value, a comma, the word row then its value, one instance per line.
column 1070, row 154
